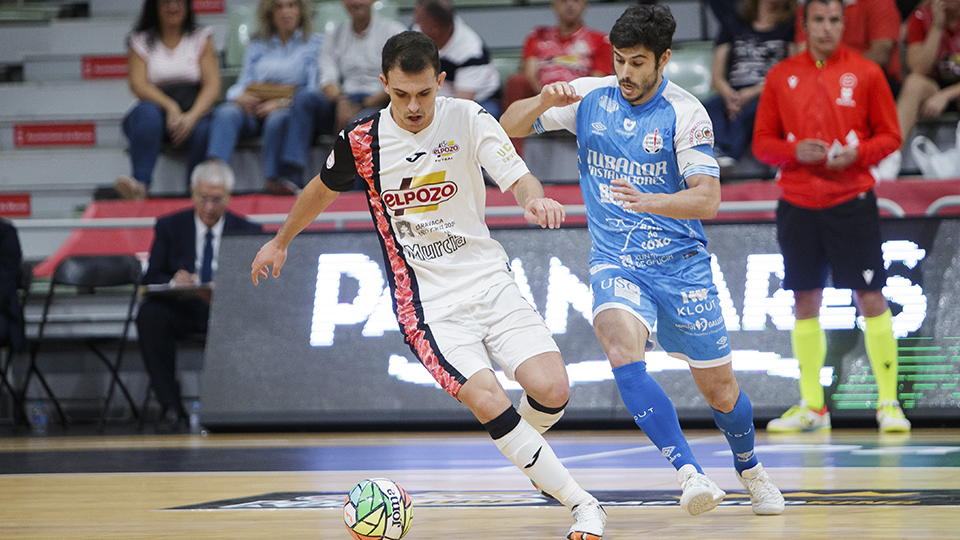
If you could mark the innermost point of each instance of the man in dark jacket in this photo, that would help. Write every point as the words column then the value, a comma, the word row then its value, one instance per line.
column 184, row 256
column 11, row 313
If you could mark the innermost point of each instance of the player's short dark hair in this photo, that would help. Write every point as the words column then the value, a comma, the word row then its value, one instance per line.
column 411, row 51
column 806, row 6
column 647, row 26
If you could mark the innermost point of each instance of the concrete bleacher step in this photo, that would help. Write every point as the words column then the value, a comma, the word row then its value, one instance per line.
column 101, row 35
column 64, row 100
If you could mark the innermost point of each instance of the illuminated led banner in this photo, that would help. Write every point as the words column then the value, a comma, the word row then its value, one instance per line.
column 321, row 344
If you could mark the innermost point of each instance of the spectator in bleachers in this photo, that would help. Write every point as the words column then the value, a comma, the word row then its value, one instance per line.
column 175, row 74
column 184, row 255
column 933, row 60
column 280, row 62
column 350, row 62
column 871, row 28
column 11, row 312
column 464, row 57
column 749, row 44
column 563, row 52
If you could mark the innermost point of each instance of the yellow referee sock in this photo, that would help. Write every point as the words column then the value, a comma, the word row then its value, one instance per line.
column 810, row 347
column 882, row 352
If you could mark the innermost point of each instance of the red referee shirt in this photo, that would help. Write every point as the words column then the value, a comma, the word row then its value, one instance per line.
column 847, row 99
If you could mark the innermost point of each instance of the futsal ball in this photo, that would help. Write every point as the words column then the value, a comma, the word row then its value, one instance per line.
column 377, row 509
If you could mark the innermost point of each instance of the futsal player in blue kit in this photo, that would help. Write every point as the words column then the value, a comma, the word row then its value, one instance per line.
column 648, row 175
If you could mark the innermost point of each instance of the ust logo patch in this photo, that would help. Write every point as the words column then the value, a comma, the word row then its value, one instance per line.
column 420, row 194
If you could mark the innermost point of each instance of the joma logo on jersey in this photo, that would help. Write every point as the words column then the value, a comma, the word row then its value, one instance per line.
column 694, row 296
column 419, row 194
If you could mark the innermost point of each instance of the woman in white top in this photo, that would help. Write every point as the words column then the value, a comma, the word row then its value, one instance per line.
column 175, row 74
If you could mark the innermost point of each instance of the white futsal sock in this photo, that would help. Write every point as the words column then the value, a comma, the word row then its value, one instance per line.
column 531, row 453
column 540, row 417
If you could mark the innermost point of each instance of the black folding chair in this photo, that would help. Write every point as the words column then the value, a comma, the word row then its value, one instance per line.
column 87, row 275
column 24, row 280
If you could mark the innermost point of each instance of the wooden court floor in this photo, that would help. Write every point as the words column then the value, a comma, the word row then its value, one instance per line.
column 849, row 484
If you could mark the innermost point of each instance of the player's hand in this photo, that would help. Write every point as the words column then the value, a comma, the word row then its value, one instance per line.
column 633, row 198
column 558, row 94
column 812, row 151
column 545, row 212
column 270, row 254
column 843, row 158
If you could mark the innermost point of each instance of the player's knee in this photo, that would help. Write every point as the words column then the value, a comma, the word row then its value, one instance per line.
column 554, row 396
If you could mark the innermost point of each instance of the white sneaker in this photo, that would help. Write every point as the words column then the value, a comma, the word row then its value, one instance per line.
column 589, row 519
column 700, row 494
column 801, row 418
column 890, row 417
column 889, row 167
column 765, row 498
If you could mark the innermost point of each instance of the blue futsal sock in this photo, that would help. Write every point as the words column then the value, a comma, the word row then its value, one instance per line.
column 653, row 411
column 737, row 426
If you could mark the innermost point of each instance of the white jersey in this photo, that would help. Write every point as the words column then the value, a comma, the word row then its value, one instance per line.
column 427, row 199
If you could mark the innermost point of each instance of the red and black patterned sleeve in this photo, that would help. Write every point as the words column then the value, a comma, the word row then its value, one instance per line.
column 340, row 170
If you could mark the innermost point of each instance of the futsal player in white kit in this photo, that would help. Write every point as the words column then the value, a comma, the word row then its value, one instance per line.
column 456, row 301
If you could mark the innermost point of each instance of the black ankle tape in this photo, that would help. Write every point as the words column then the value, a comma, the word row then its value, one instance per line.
column 503, row 424
column 543, row 408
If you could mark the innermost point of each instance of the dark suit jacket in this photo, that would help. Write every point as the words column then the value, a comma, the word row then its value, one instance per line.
column 11, row 312
column 175, row 243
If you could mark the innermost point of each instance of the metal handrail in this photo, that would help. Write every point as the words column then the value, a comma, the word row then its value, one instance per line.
column 341, row 218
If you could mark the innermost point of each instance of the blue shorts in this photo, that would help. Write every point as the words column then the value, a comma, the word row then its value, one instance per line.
column 684, row 306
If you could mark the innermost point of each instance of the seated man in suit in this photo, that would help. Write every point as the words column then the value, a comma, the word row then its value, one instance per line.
column 184, row 254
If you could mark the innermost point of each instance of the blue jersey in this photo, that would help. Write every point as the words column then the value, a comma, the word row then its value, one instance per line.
column 655, row 146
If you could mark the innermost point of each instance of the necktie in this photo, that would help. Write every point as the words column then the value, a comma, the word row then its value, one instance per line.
column 206, row 266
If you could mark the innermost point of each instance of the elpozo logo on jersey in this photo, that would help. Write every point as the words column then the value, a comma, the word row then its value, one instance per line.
column 424, row 194
column 702, row 133
column 445, row 150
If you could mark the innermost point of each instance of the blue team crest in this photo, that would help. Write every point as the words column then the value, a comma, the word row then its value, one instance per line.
column 629, row 124
column 653, row 142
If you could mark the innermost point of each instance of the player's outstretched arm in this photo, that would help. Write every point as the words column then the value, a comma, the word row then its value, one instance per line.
column 519, row 117
column 537, row 208
column 701, row 199
column 312, row 200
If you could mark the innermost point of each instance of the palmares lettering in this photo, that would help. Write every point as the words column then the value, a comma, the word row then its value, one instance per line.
column 372, row 306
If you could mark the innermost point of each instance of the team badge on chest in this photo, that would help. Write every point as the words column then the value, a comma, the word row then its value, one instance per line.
column 653, row 142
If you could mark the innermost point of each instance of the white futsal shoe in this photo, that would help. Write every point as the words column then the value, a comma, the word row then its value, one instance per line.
column 700, row 494
column 765, row 498
column 590, row 519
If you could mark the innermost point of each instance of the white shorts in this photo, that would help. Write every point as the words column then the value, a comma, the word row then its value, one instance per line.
column 497, row 324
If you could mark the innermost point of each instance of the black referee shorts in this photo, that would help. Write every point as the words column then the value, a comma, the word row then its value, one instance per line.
column 843, row 238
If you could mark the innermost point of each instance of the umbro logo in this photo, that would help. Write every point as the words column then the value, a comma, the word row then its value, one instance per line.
column 416, row 156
